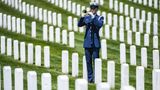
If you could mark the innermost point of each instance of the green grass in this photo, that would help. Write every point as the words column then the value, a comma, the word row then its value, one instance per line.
column 55, row 48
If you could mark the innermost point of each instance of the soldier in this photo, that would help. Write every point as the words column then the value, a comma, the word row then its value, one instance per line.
column 92, row 45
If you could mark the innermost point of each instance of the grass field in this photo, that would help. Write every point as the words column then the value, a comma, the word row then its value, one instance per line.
column 56, row 49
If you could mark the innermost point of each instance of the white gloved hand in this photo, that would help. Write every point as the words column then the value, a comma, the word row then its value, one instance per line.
column 92, row 15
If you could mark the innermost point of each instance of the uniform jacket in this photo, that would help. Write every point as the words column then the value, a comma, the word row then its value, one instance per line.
column 91, row 38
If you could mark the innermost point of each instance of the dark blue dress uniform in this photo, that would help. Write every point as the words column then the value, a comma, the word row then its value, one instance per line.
column 91, row 43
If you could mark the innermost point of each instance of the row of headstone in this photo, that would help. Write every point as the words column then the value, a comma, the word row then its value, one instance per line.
column 129, row 11
column 149, row 3
column 54, row 35
column 46, row 81
column 133, row 24
column 140, row 85
column 41, row 14
column 129, row 34
column 65, row 63
column 12, row 23
column 20, row 52
column 144, row 59
column 68, row 5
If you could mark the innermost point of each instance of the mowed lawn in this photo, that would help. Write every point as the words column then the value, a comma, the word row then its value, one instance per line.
column 56, row 49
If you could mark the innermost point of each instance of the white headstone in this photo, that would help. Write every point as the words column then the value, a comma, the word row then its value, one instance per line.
column 148, row 27
column 73, row 7
column 111, row 4
column 71, row 40
column 70, row 23
column 144, row 57
column 75, row 67
column 30, row 53
column 150, row 3
column 23, row 26
column 18, row 25
column 149, row 16
column 38, row 55
column 18, row 79
column 115, row 20
column 45, row 18
column 121, row 22
column 111, row 73
column 133, row 55
column 143, row 15
column 155, row 28
column 155, row 79
column 141, row 26
column 104, row 48
column 109, row 18
column 45, row 32
column 155, row 42
column 65, row 61
column 127, row 23
column 9, row 22
column 98, row 70
column 121, row 35
column 32, row 11
column 75, row 27
column 156, row 58
column 59, row 20
column 138, row 38
column 146, row 40
column 62, row 82
column 32, row 80
column 65, row 4
column 28, row 10
column 64, row 37
column 1, row 20
column 4, row 21
column 3, row 45
column 107, row 31
column 132, row 12
column 57, row 35
column 69, row 6
column 36, row 12
column 22, row 52
column 121, row 7
column 140, row 78
column 85, row 76
column 81, row 84
column 54, row 18
column 122, row 53
column 124, row 75
column 129, row 37
column 9, row 46
column 126, row 12
column 46, row 81
column 51, row 33
column 47, row 56
column 23, row 7
column 128, row 88
column 103, row 86
column 78, row 10
column 16, row 49
column 14, row 24
column 116, row 5
column 7, row 78
column 134, row 25
column 114, row 33
column 49, row 17
column 33, row 29
column 137, row 14
column 40, row 15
